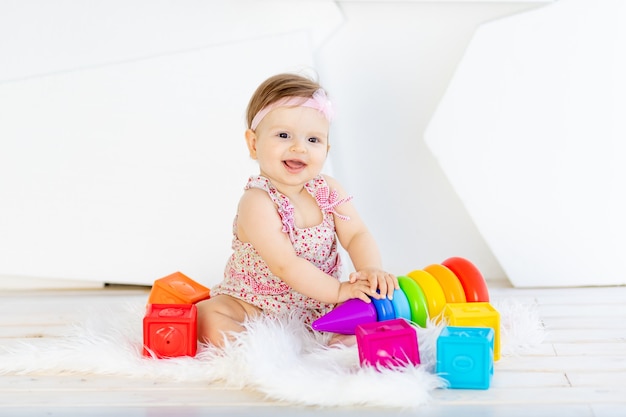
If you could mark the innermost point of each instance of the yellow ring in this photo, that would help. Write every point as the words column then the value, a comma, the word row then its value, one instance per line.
column 434, row 293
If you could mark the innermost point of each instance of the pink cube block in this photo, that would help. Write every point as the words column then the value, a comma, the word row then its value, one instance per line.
column 389, row 344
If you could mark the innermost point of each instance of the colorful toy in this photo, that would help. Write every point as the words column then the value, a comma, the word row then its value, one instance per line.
column 401, row 306
column 177, row 288
column 450, row 284
column 465, row 356
column 417, row 300
column 390, row 344
column 435, row 297
column 471, row 279
column 475, row 315
column 421, row 290
column 346, row 317
column 169, row 330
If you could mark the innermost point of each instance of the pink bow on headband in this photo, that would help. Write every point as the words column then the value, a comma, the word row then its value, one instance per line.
column 319, row 101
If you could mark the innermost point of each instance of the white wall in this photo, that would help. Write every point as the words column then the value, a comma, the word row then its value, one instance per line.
column 122, row 153
column 388, row 66
column 121, row 150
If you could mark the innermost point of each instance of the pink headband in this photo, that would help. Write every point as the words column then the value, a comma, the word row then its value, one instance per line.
column 319, row 102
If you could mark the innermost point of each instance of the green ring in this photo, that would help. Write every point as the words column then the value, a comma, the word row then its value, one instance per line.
column 417, row 300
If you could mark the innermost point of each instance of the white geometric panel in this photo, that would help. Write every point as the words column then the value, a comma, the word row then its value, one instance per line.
column 127, row 173
column 532, row 135
column 122, row 154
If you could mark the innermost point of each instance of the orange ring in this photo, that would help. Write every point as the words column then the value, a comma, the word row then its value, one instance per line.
column 434, row 293
column 470, row 277
column 450, row 284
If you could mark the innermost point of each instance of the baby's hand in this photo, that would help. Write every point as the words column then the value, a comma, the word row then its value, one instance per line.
column 359, row 289
column 379, row 280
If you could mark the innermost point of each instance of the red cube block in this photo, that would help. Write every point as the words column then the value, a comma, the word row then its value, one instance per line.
column 389, row 344
column 169, row 330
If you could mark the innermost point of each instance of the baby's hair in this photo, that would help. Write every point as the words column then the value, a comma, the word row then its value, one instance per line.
column 278, row 87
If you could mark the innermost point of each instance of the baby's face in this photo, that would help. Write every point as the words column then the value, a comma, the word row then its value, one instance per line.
column 291, row 145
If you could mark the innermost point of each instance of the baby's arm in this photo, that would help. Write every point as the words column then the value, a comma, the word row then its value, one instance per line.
column 260, row 224
column 357, row 240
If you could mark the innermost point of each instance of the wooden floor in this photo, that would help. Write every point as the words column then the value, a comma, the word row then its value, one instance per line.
column 579, row 369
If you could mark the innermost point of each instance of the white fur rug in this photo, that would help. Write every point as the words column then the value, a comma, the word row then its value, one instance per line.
column 279, row 358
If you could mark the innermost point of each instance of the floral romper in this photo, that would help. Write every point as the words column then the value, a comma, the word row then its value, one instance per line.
column 247, row 276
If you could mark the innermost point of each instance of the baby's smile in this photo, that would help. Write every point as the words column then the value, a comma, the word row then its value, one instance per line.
column 294, row 165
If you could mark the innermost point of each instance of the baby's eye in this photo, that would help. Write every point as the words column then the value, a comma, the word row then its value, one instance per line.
column 314, row 140
column 283, row 135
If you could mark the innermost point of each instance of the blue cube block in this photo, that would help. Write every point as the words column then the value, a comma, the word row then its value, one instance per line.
column 465, row 356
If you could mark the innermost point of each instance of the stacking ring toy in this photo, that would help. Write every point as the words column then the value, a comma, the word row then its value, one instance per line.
column 422, row 295
column 417, row 300
column 470, row 277
column 435, row 297
column 401, row 305
column 450, row 284
column 384, row 309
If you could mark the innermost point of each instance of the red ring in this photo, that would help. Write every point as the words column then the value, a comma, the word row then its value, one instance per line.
column 470, row 277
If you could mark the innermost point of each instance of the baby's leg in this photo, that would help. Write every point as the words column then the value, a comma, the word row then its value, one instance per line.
column 342, row 339
column 222, row 314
